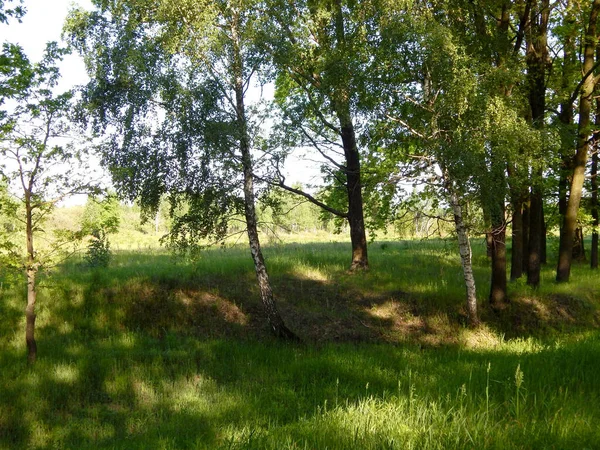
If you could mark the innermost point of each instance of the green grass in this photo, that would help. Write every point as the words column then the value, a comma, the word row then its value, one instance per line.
column 163, row 352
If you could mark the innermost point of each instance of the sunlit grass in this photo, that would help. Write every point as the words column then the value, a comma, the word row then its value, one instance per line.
column 160, row 351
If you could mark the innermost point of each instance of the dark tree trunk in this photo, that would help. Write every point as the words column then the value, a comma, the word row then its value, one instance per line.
column 275, row 321
column 594, row 249
column 498, row 295
column 341, row 98
column 536, row 57
column 594, row 185
column 356, row 221
column 563, row 270
column 535, row 238
column 544, row 251
column 516, row 266
column 578, row 245
column 526, row 221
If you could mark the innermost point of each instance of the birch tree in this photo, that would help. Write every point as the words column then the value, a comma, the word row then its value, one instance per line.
column 169, row 85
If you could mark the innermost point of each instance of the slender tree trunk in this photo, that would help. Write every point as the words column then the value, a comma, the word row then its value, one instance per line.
column 30, row 272
column 563, row 270
column 544, row 251
column 341, row 101
column 464, row 247
column 578, row 245
column 516, row 266
column 594, row 199
column 594, row 249
column 535, row 238
column 276, row 323
column 498, row 297
column 495, row 192
column 356, row 221
column 536, row 57
column 526, row 221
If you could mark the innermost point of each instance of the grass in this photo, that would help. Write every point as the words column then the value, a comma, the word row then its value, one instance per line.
column 163, row 352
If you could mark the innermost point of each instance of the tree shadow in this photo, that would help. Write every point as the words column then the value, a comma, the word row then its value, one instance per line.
column 183, row 359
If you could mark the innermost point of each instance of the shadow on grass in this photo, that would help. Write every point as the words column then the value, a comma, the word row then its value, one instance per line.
column 178, row 392
column 158, row 353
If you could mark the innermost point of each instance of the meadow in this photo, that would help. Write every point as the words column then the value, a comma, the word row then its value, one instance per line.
column 161, row 351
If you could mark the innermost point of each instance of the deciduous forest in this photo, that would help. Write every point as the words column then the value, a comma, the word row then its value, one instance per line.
column 322, row 224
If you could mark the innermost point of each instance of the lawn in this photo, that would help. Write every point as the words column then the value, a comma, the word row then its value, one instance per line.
column 160, row 351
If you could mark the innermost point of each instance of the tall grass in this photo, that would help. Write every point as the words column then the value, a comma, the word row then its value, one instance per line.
column 163, row 352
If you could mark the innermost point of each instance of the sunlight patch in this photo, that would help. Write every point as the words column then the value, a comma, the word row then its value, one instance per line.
column 311, row 273
column 66, row 373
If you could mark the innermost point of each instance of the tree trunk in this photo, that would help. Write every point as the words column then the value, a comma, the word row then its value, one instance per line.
column 30, row 272
column 594, row 198
column 544, row 250
column 495, row 193
column 536, row 57
column 341, row 102
column 498, row 297
column 525, row 261
column 535, row 238
column 464, row 247
column 276, row 323
column 578, row 245
column 516, row 266
column 563, row 269
column 356, row 221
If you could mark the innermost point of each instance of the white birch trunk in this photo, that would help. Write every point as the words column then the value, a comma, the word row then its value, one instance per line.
column 464, row 247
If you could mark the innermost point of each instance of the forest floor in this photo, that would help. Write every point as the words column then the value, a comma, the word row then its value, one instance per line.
column 159, row 351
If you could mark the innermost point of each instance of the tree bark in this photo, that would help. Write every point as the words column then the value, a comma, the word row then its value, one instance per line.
column 535, row 238
column 536, row 57
column 526, row 221
column 275, row 321
column 594, row 185
column 578, row 245
column 544, row 250
column 518, row 199
column 516, row 265
column 464, row 247
column 341, row 102
column 30, row 272
column 563, row 269
column 356, row 221
column 498, row 297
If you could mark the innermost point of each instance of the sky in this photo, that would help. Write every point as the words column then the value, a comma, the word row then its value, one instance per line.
column 42, row 23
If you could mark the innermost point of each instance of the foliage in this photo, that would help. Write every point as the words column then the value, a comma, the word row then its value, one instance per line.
column 43, row 163
column 101, row 217
column 101, row 214
column 98, row 250
column 168, row 96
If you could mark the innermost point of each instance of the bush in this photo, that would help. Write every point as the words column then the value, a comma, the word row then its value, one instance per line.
column 98, row 252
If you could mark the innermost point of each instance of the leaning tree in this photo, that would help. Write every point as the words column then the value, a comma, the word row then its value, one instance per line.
column 169, row 88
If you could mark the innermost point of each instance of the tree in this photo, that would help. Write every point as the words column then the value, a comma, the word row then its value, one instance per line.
column 101, row 217
column 586, row 90
column 42, row 167
column 171, row 79
column 319, row 49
